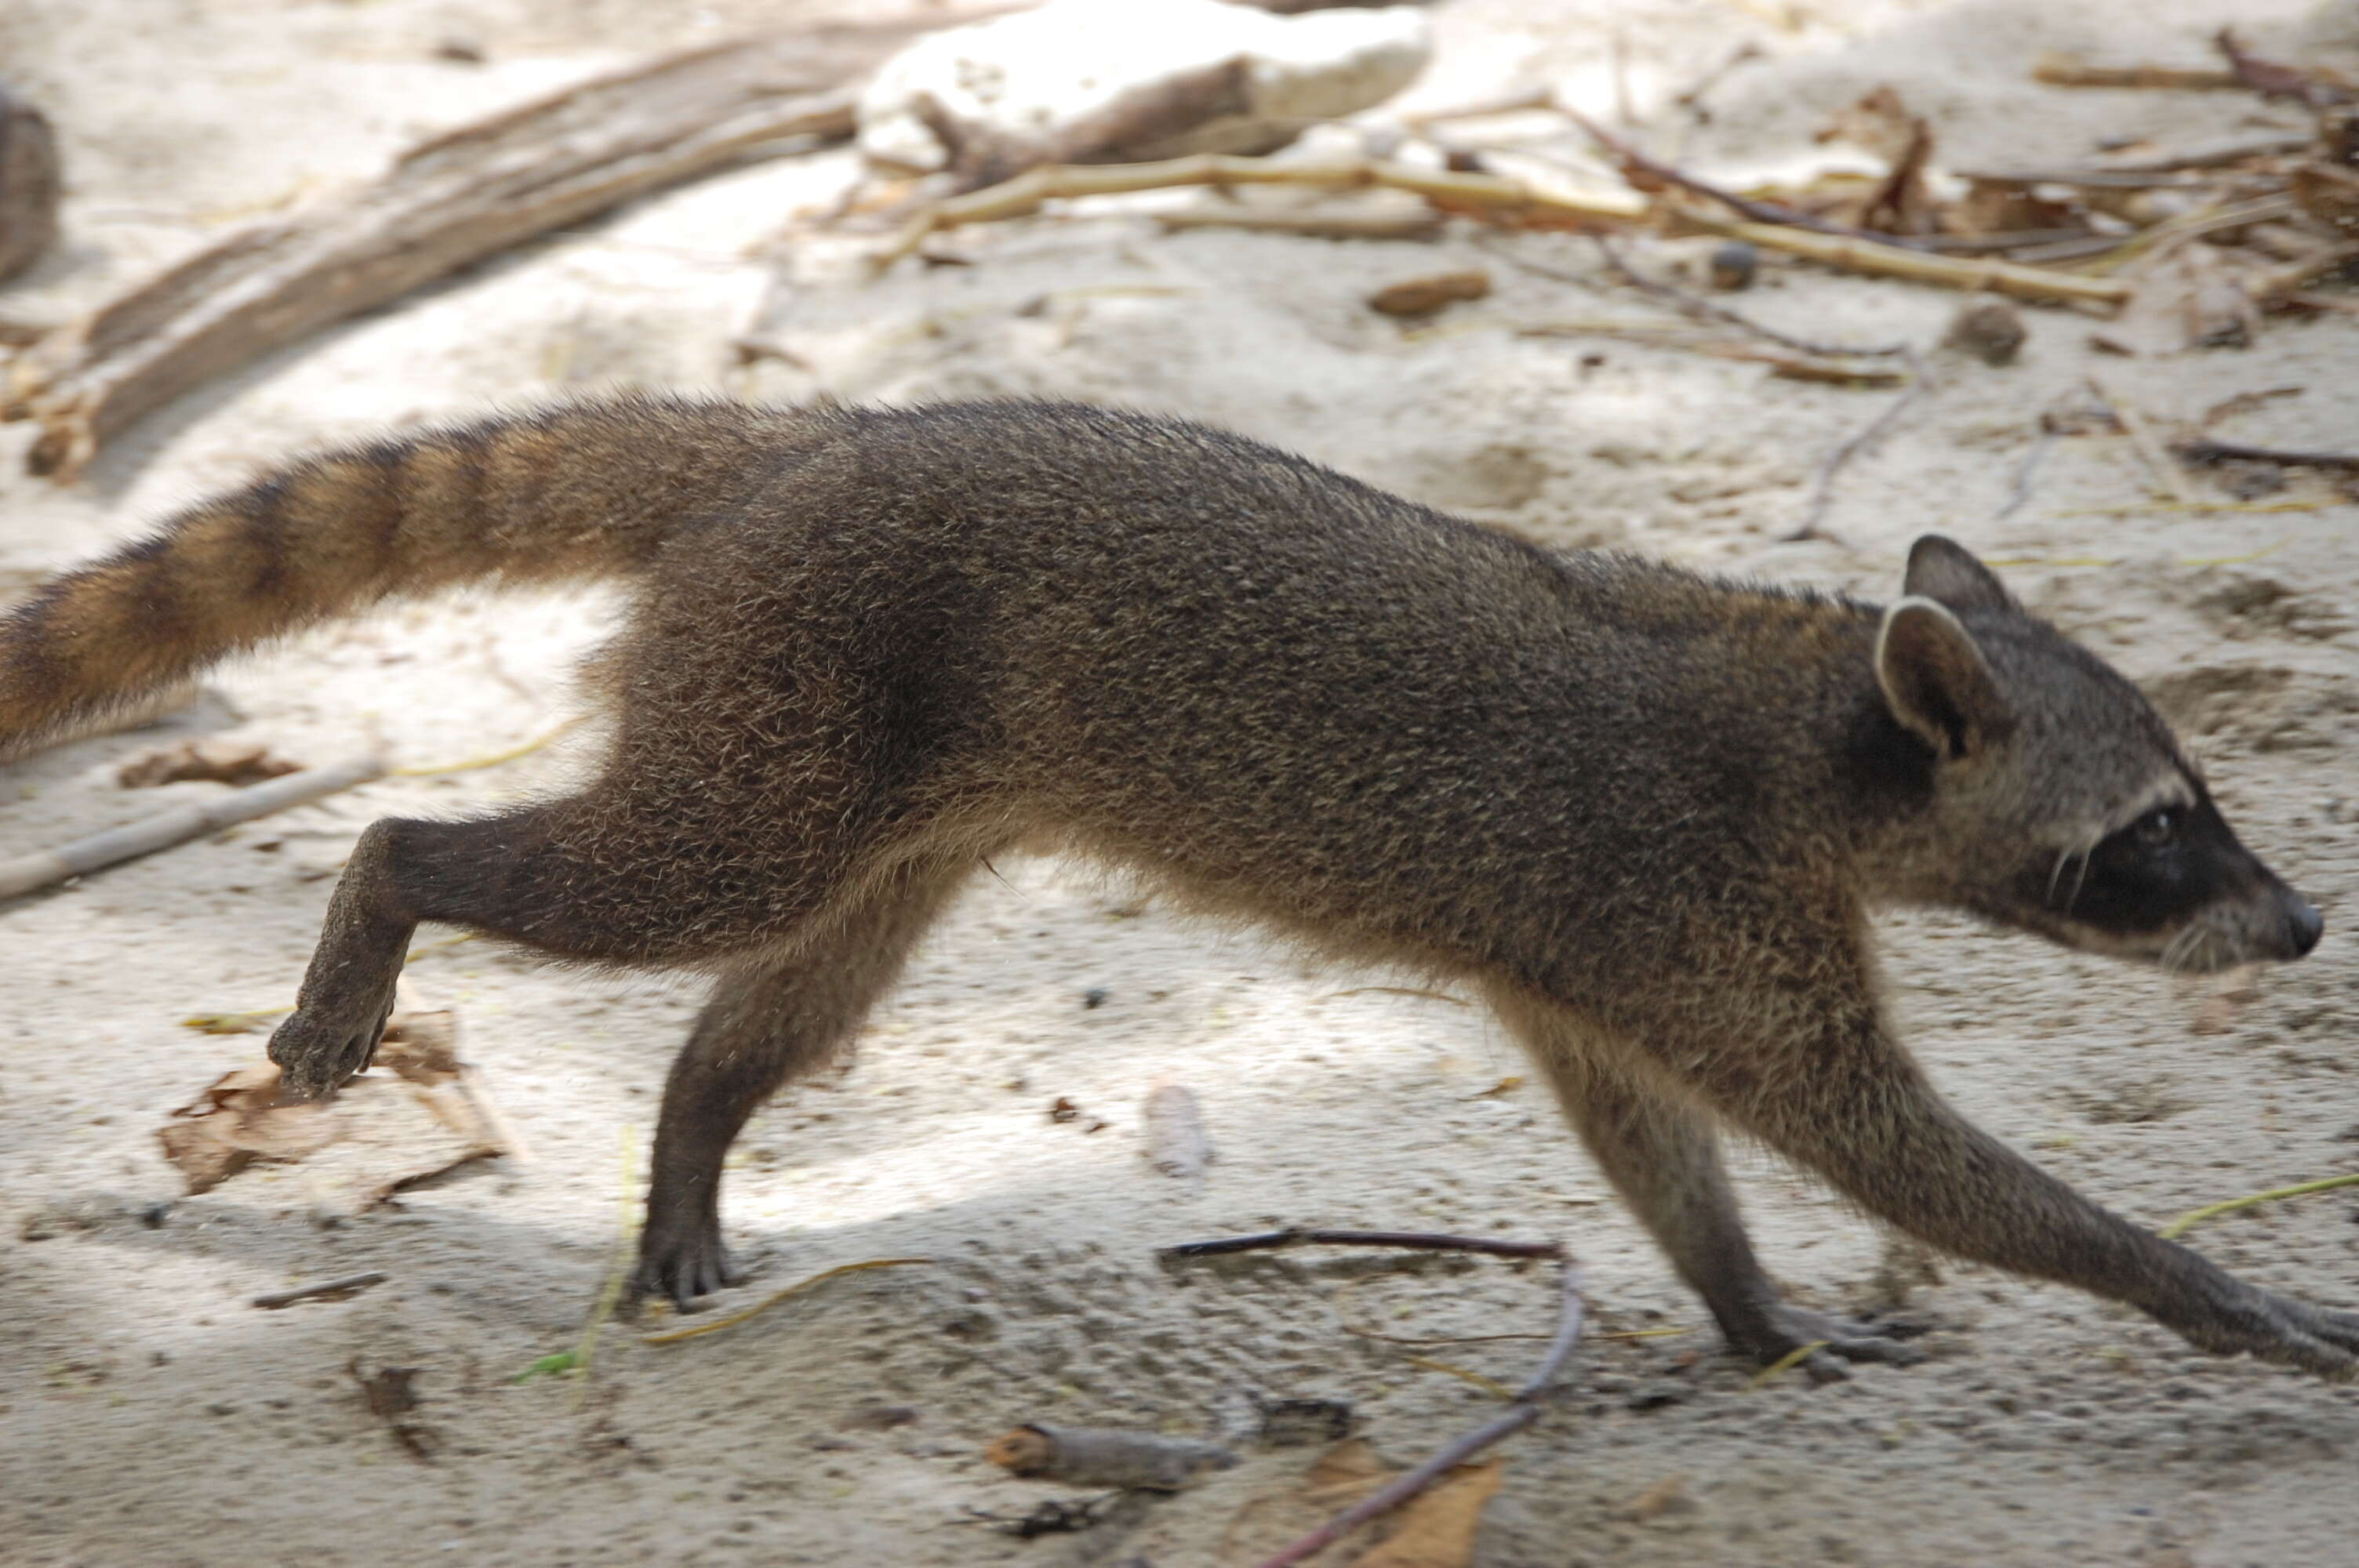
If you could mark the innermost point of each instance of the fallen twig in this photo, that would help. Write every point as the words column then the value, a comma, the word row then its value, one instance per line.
column 1698, row 310
column 2206, row 450
column 1529, row 1403
column 674, row 1335
column 1105, row 1456
column 1409, row 225
column 1822, row 482
column 47, row 867
column 1481, row 195
column 449, row 202
column 1651, row 171
column 2071, row 71
column 2018, row 491
column 2193, row 1217
column 1415, row 1241
column 1860, row 254
column 327, row 1289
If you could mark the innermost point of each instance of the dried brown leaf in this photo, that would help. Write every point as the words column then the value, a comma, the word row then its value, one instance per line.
column 213, row 761
column 381, row 1132
column 1436, row 1529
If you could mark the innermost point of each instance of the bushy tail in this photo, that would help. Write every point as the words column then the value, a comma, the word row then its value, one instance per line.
column 577, row 492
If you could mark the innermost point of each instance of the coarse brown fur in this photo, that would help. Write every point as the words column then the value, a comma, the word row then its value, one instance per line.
column 1644, row 813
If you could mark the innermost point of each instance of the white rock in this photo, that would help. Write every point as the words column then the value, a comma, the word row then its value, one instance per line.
column 1044, row 78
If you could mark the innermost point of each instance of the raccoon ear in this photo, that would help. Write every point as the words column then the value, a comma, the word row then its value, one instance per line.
column 1937, row 682
column 1941, row 569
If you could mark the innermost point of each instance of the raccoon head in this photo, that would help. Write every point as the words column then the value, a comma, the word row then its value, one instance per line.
column 2059, row 802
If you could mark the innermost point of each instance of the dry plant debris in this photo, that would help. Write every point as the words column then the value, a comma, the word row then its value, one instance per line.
column 47, row 868
column 1524, row 1405
column 381, row 1133
column 211, row 760
column 1105, row 1456
column 452, row 200
column 1423, row 296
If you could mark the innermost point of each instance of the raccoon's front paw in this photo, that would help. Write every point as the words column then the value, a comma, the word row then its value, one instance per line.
column 1785, row 1329
column 683, row 1260
column 319, row 1051
column 2278, row 1328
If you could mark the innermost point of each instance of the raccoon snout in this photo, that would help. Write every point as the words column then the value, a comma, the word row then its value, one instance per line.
column 2304, row 924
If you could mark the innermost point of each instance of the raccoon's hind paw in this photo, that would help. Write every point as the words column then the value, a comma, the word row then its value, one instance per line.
column 682, row 1261
column 319, row 1051
column 1838, row 1340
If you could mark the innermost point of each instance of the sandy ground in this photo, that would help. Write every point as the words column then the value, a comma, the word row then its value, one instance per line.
column 149, row 1415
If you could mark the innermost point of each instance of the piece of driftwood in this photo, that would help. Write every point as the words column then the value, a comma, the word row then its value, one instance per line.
column 47, row 867
column 29, row 185
column 467, row 194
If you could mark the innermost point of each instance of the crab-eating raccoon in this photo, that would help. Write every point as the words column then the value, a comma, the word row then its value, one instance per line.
column 1643, row 812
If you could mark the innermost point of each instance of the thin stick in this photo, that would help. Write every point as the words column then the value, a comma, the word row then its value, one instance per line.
column 2210, row 451
column 2070, row 71
column 1410, row 225
column 2150, row 451
column 2193, row 1217
column 1488, row 195
column 673, row 1337
column 1417, row 1240
column 1770, row 213
column 2020, row 491
column 1528, row 1406
column 1885, row 260
column 47, row 867
column 1822, row 483
column 345, row 1286
column 1786, row 1363
column 1696, row 309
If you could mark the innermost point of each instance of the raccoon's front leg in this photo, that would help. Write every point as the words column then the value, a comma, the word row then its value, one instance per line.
column 347, row 992
column 1852, row 1106
column 1664, row 1159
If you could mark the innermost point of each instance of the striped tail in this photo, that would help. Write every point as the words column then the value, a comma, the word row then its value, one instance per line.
column 577, row 492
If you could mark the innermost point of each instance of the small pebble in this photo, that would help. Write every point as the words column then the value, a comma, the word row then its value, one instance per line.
column 1735, row 266
column 1990, row 329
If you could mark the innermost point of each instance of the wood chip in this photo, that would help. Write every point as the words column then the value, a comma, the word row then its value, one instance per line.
column 1421, row 295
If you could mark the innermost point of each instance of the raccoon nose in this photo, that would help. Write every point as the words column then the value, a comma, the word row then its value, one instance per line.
column 2304, row 924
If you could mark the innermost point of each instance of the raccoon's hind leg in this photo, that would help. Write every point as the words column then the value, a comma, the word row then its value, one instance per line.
column 767, row 1024
column 1664, row 1159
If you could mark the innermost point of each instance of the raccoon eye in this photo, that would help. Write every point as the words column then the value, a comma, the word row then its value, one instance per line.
column 2157, row 829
